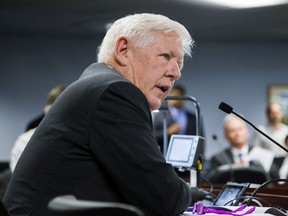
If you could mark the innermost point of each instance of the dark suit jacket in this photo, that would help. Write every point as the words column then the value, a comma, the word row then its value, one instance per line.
column 221, row 158
column 96, row 143
column 226, row 157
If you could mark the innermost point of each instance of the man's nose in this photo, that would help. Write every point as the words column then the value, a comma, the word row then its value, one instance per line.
column 174, row 71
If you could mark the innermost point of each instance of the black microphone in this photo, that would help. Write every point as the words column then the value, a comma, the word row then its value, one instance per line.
column 225, row 107
column 228, row 109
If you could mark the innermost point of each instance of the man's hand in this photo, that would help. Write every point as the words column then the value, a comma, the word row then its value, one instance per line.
column 173, row 129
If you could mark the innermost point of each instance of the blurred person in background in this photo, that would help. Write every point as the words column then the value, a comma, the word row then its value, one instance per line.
column 238, row 152
column 283, row 172
column 180, row 120
column 275, row 129
column 24, row 138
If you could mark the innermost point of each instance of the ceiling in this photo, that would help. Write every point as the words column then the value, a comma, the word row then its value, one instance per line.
column 88, row 18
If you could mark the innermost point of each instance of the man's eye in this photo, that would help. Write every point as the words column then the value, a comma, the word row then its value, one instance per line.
column 166, row 56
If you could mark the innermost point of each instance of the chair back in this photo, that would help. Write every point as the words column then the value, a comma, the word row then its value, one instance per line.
column 222, row 175
column 69, row 206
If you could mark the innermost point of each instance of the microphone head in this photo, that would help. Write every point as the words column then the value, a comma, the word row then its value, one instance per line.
column 225, row 107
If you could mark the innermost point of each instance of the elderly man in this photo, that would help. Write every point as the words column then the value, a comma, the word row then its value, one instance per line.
column 96, row 142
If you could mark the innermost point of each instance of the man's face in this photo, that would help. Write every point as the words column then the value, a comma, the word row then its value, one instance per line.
column 236, row 133
column 155, row 68
column 275, row 114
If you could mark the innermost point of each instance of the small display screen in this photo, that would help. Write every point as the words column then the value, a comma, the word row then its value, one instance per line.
column 183, row 150
column 180, row 150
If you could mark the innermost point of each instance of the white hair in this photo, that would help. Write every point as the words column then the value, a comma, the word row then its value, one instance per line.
column 231, row 117
column 142, row 27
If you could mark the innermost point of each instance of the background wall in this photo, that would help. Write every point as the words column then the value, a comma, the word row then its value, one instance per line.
column 233, row 72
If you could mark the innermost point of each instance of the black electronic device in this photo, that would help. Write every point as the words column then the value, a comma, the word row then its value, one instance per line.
column 229, row 194
column 276, row 211
column 184, row 150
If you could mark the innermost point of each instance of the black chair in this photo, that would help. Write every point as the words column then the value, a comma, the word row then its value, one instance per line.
column 3, row 210
column 69, row 206
column 223, row 174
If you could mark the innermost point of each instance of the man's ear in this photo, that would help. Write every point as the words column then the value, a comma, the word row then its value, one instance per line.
column 121, row 50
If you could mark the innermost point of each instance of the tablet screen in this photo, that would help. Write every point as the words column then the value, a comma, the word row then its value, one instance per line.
column 229, row 192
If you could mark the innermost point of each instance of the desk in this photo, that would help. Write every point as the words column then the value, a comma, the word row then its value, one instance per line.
column 275, row 194
column 259, row 211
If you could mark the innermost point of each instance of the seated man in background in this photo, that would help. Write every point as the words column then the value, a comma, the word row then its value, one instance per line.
column 179, row 119
column 275, row 129
column 283, row 172
column 22, row 141
column 240, row 153
column 24, row 138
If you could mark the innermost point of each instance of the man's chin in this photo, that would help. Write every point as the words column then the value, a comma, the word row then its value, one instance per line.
column 155, row 106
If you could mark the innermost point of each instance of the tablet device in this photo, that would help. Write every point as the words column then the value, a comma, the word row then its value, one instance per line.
column 229, row 192
column 184, row 150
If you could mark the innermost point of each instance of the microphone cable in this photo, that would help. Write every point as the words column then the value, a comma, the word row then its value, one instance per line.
column 257, row 200
column 209, row 183
column 262, row 186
